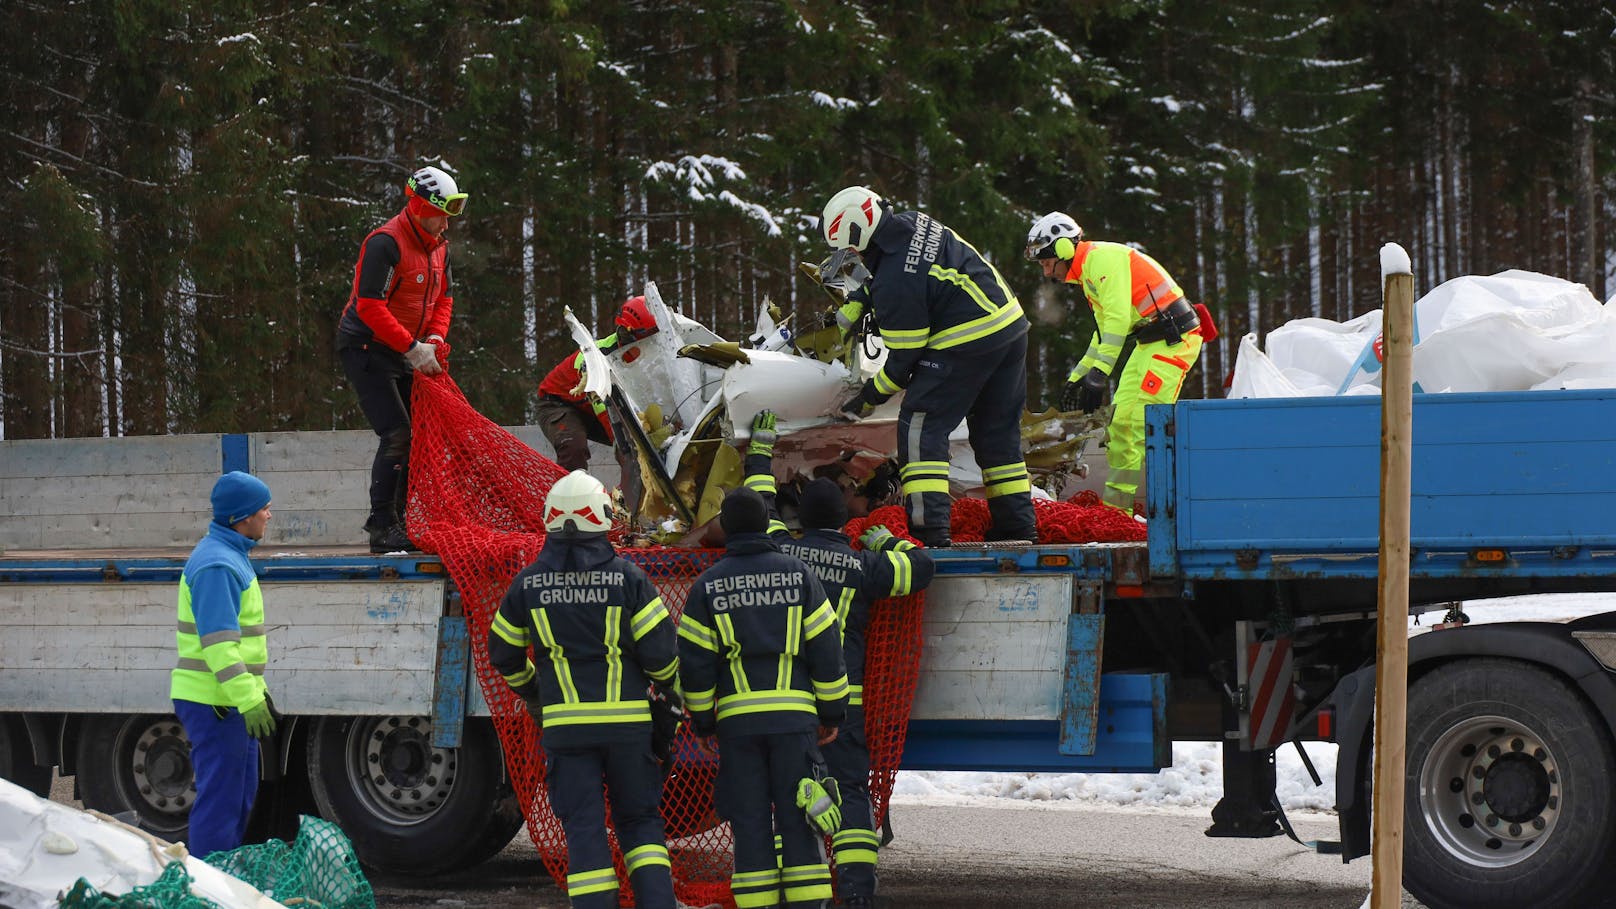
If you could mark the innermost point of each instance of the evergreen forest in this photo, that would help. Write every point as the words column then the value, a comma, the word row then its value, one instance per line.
column 188, row 181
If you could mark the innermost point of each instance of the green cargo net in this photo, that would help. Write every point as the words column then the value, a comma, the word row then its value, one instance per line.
column 318, row 870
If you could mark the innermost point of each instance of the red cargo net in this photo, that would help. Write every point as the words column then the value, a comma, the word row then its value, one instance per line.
column 475, row 499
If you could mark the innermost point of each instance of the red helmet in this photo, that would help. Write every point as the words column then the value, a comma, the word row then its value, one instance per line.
column 636, row 320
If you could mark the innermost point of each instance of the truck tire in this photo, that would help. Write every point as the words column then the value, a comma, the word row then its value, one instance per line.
column 140, row 764
column 1509, row 788
column 412, row 809
column 17, row 759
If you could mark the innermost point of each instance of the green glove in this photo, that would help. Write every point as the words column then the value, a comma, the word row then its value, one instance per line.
column 876, row 538
column 260, row 720
column 848, row 315
column 763, row 434
column 821, row 803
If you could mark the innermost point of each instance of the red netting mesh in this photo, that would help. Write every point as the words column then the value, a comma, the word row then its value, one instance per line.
column 475, row 498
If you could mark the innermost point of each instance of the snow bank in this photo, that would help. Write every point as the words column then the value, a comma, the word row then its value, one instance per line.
column 1513, row 331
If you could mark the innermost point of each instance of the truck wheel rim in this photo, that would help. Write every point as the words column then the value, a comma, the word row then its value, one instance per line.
column 160, row 767
column 397, row 773
column 1490, row 790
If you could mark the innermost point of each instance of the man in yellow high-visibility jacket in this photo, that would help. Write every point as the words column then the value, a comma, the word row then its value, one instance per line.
column 1131, row 295
column 218, row 683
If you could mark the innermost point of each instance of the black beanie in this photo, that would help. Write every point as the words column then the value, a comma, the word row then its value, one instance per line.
column 743, row 511
column 822, row 505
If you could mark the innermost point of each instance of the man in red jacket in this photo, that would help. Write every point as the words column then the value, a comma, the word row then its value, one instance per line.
column 396, row 318
column 567, row 416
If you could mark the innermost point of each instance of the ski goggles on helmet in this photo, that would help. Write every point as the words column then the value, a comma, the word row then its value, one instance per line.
column 451, row 205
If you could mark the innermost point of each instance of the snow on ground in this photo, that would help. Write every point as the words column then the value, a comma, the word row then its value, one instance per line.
column 1195, row 781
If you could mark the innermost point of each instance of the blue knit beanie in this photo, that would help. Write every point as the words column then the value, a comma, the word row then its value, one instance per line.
column 238, row 495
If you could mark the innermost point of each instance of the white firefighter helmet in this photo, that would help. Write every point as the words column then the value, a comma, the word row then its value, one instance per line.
column 851, row 216
column 1054, row 236
column 579, row 500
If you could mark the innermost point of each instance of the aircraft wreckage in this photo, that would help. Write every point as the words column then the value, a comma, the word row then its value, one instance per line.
column 682, row 398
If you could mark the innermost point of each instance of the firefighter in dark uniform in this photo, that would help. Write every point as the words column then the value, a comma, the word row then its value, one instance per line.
column 957, row 341
column 761, row 662
column 605, row 636
column 853, row 579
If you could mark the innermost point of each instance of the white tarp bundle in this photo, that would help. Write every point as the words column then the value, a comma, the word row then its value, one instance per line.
column 45, row 847
column 1513, row 331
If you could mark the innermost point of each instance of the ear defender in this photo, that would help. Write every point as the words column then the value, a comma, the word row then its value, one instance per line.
column 1065, row 248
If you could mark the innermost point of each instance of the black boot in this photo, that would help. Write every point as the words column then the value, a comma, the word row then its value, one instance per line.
column 932, row 538
column 388, row 537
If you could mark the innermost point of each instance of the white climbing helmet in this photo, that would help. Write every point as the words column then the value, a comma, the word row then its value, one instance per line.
column 1054, row 236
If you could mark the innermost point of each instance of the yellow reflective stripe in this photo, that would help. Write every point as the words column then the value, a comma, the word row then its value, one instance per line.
column 963, row 282
column 976, row 329
column 833, row 690
column 823, row 619
column 666, row 673
column 805, row 883
column 732, row 644
column 755, row 888
column 992, row 269
column 844, row 605
column 902, row 573
column 776, row 700
column 614, row 653
column 522, row 676
column 598, row 881
column 700, row 700
column 776, row 525
column 510, row 634
column 647, row 856
column 583, row 713
column 928, row 485
column 696, row 633
column 648, row 617
column 558, row 657
column 905, row 338
column 855, row 695
column 1004, row 471
column 793, row 644
column 761, row 483
column 884, row 383
column 1006, row 479
column 923, row 469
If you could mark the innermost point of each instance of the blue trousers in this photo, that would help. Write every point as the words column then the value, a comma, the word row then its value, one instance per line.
column 856, row 844
column 224, row 759
column 757, row 793
column 573, row 776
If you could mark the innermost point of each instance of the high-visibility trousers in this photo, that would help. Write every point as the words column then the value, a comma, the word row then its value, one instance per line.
column 572, row 777
column 224, row 759
column 856, row 844
column 757, row 792
column 1154, row 374
column 988, row 391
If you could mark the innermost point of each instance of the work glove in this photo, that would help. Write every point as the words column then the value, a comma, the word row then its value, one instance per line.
column 763, row 434
column 821, row 803
column 848, row 316
column 667, row 713
column 1088, row 394
column 260, row 719
column 855, row 407
column 423, row 357
column 876, row 538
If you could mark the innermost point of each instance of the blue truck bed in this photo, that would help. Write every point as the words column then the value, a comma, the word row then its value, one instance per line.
column 1250, row 489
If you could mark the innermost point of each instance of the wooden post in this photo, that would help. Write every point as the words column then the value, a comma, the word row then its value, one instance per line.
column 1391, row 651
